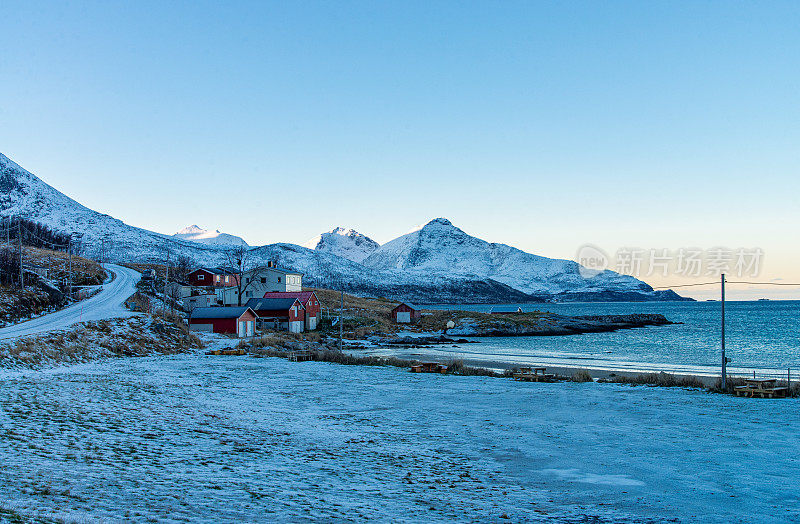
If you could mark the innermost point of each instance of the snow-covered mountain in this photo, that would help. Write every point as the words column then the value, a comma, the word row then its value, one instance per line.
column 196, row 233
column 24, row 194
column 437, row 263
column 346, row 243
column 441, row 248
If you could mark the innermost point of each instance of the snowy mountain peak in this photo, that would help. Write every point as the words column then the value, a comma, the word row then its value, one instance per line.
column 191, row 230
column 441, row 248
column 345, row 243
column 196, row 233
column 436, row 223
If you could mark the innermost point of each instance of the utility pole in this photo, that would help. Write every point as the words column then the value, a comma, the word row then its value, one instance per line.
column 69, row 250
column 724, row 358
column 19, row 246
column 341, row 320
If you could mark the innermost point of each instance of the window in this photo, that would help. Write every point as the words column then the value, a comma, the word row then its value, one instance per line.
column 201, row 277
column 227, row 278
column 216, row 278
column 263, row 280
column 279, row 280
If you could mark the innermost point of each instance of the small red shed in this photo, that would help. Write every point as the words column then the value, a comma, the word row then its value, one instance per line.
column 279, row 313
column 239, row 321
column 310, row 304
column 405, row 312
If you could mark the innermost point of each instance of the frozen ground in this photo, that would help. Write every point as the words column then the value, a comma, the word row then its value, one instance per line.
column 223, row 439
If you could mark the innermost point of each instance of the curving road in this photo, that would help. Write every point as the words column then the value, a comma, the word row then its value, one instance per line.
column 106, row 304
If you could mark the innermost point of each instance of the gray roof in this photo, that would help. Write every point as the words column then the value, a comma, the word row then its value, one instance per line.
column 271, row 304
column 218, row 312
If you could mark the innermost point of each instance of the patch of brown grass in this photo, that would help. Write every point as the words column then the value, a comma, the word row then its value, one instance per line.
column 665, row 380
column 581, row 375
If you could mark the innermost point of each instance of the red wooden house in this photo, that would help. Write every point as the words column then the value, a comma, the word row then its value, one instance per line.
column 310, row 302
column 406, row 312
column 239, row 321
column 279, row 313
column 213, row 277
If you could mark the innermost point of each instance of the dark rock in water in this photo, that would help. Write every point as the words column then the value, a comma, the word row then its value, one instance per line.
column 554, row 325
column 666, row 295
column 630, row 320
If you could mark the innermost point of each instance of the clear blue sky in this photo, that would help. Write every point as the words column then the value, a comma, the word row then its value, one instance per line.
column 542, row 125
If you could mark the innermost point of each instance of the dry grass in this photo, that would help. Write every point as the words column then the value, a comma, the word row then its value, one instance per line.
column 136, row 336
column 86, row 272
column 457, row 367
column 362, row 316
column 436, row 320
column 581, row 375
column 666, row 380
column 139, row 302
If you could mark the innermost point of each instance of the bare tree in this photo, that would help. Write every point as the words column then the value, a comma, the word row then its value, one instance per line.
column 244, row 271
column 183, row 266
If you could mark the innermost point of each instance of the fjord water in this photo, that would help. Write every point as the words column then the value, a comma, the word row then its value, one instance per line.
column 762, row 336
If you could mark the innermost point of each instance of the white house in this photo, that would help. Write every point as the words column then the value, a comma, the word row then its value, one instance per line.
column 257, row 282
column 207, row 300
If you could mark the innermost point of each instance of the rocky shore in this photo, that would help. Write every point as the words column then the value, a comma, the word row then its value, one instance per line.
column 549, row 324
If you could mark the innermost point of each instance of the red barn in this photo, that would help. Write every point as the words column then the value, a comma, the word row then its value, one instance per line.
column 279, row 313
column 310, row 302
column 239, row 321
column 213, row 277
column 405, row 313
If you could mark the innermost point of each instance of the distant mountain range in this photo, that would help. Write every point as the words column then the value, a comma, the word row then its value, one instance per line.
column 213, row 238
column 436, row 263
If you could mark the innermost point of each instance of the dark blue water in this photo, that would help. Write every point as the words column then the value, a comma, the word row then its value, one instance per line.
column 763, row 336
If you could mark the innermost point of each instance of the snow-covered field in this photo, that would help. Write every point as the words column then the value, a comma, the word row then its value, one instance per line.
column 222, row 439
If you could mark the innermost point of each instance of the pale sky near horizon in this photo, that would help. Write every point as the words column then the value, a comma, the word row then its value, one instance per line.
column 546, row 126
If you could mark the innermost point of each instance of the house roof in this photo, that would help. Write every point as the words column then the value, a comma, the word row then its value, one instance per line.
column 217, row 270
column 504, row 309
column 218, row 312
column 302, row 296
column 271, row 304
column 409, row 304
column 273, row 268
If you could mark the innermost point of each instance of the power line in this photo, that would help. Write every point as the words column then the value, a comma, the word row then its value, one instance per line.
column 730, row 282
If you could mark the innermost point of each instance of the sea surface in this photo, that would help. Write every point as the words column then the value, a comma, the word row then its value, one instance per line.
column 761, row 336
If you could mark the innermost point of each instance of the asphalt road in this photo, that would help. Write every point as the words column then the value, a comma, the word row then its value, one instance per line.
column 106, row 304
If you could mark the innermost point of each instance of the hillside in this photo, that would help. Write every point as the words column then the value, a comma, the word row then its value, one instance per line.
column 438, row 263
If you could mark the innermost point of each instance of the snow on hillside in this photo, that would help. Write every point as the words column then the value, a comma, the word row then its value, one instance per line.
column 438, row 263
column 24, row 194
column 439, row 247
column 195, row 233
column 346, row 243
